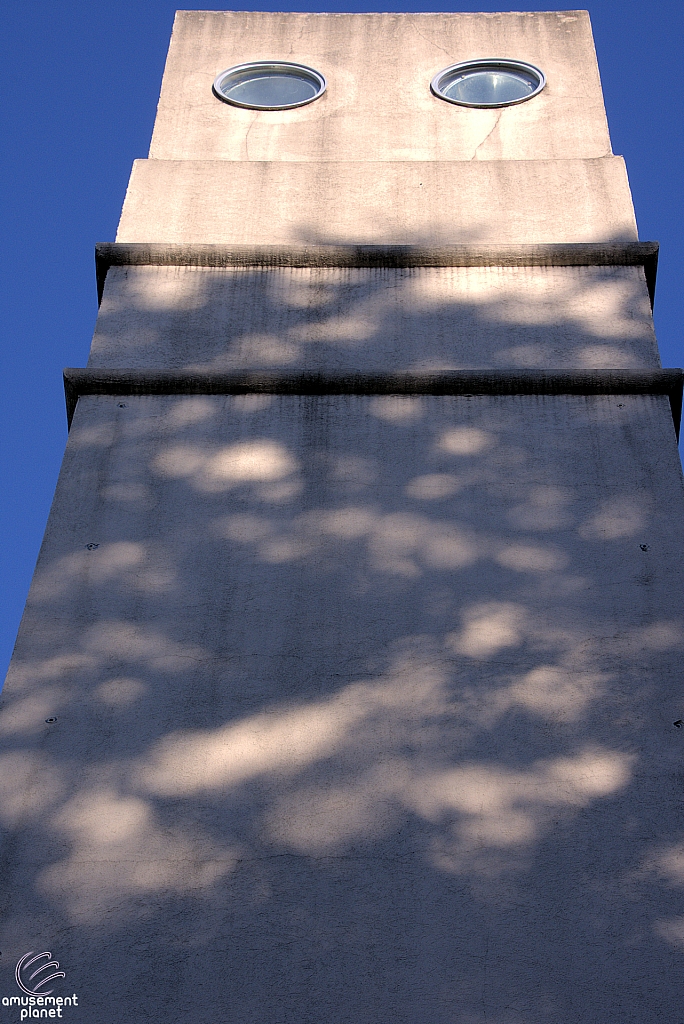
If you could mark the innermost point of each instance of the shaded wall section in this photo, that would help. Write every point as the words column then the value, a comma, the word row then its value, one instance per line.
column 416, row 318
column 332, row 672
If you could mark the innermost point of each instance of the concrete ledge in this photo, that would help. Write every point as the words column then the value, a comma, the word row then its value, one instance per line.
column 579, row 254
column 79, row 382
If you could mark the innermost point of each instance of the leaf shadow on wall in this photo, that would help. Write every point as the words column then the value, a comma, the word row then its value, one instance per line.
column 369, row 688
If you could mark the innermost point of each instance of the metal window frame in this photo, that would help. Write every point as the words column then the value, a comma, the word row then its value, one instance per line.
column 270, row 65
column 485, row 64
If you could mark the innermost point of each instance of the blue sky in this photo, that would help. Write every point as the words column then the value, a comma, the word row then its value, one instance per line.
column 79, row 86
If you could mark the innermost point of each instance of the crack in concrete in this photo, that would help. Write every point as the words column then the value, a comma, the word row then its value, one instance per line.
column 487, row 136
column 298, row 40
column 253, row 122
column 431, row 41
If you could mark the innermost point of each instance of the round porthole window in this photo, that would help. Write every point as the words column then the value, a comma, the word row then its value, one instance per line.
column 269, row 85
column 488, row 83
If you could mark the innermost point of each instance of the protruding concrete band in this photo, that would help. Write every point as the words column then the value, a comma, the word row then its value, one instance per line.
column 79, row 382
column 580, row 254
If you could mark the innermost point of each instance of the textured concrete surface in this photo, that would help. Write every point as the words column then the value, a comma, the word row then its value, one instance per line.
column 88, row 381
column 364, row 711
column 354, row 709
column 378, row 104
column 365, row 319
column 395, row 257
column 257, row 203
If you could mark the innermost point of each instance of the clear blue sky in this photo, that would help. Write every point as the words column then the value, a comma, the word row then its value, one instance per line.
column 80, row 80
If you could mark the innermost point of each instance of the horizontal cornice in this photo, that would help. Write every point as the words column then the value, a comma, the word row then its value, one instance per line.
column 267, row 257
column 80, row 382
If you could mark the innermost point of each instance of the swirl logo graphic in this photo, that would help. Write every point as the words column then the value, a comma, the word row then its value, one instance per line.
column 29, row 960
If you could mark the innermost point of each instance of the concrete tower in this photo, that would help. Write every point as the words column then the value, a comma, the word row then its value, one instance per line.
column 349, row 685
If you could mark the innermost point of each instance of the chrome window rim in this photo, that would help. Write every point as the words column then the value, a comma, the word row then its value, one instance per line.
column 489, row 64
column 270, row 65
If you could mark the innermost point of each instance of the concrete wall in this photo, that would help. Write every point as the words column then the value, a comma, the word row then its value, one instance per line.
column 374, row 319
column 378, row 105
column 360, row 709
column 254, row 202
column 378, row 158
column 364, row 712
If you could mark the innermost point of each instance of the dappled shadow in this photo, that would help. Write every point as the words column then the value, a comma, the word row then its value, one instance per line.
column 375, row 319
column 369, row 688
column 356, row 707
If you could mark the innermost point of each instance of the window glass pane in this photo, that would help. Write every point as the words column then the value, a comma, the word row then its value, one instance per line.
column 488, row 83
column 489, row 87
column 269, row 86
